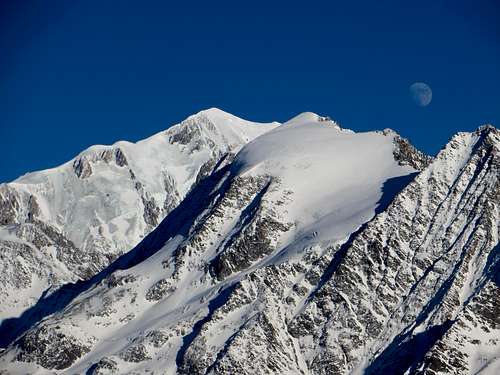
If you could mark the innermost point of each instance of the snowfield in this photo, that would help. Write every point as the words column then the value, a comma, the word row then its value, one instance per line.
column 336, row 175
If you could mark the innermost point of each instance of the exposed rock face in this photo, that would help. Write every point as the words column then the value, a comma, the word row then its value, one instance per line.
column 9, row 205
column 104, row 366
column 82, row 167
column 135, row 353
column 255, row 242
column 406, row 154
column 120, row 158
column 33, row 209
column 233, row 282
column 159, row 290
column 404, row 279
column 70, row 222
column 38, row 346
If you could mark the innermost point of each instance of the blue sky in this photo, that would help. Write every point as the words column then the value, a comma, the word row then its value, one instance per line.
column 94, row 72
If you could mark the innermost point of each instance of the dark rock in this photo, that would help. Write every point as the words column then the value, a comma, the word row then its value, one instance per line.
column 160, row 290
column 135, row 353
column 151, row 211
column 104, row 366
column 9, row 205
column 82, row 167
column 406, row 154
column 252, row 244
column 50, row 348
column 33, row 209
column 120, row 158
column 157, row 338
column 113, row 280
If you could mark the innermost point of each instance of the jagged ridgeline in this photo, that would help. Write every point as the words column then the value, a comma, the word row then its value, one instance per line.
column 309, row 250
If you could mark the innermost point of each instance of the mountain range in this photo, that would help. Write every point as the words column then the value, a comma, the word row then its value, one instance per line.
column 223, row 246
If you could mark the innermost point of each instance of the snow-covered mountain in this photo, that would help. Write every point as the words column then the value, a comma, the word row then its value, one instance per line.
column 69, row 222
column 316, row 250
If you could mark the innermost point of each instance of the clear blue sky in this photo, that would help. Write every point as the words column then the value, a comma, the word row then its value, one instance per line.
column 79, row 73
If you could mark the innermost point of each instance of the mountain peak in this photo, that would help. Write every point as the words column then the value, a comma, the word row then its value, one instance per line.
column 487, row 127
column 304, row 117
column 215, row 110
column 218, row 116
column 215, row 113
column 105, row 200
column 488, row 131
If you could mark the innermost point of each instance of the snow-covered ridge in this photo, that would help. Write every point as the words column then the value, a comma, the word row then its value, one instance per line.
column 221, row 128
column 71, row 221
column 336, row 176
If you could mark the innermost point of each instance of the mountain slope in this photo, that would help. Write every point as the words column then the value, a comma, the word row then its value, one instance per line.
column 404, row 280
column 238, row 278
column 69, row 222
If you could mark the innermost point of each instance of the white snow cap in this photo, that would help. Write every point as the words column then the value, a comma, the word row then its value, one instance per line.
column 304, row 117
column 336, row 175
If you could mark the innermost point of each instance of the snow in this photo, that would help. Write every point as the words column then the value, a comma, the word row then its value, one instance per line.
column 152, row 155
column 105, row 209
column 336, row 175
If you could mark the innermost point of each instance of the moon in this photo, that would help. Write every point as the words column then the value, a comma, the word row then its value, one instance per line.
column 421, row 94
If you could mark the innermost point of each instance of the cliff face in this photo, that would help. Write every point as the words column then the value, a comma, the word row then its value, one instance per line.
column 315, row 251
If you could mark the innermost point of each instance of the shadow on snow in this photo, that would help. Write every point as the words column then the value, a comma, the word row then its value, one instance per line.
column 178, row 222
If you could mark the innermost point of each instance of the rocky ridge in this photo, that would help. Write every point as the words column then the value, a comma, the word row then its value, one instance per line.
column 249, row 274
